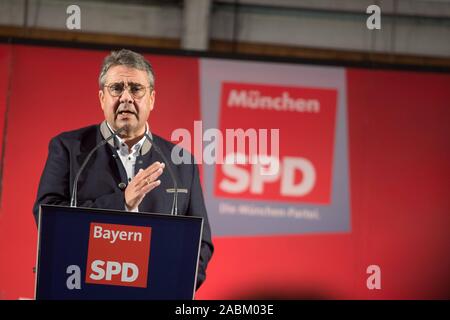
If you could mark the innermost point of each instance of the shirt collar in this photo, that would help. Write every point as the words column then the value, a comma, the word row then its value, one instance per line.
column 120, row 143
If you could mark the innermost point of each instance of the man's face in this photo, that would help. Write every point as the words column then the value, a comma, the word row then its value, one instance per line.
column 127, row 108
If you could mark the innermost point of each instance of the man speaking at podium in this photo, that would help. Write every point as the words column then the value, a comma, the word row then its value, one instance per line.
column 128, row 172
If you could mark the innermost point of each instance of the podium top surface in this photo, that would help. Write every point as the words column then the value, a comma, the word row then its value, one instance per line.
column 63, row 209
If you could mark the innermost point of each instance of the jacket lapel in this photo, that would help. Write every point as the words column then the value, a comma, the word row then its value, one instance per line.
column 111, row 149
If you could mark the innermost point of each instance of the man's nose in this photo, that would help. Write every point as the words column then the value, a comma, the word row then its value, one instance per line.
column 126, row 97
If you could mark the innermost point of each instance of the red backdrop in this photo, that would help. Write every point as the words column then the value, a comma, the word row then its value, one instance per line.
column 399, row 179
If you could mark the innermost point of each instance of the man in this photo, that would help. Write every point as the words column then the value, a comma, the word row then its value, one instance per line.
column 126, row 173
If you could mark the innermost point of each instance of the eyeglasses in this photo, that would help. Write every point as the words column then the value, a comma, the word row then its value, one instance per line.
column 136, row 90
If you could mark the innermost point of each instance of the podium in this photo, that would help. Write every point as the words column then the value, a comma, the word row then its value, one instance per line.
column 87, row 253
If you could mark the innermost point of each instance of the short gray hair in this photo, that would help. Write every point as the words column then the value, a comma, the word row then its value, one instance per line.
column 127, row 58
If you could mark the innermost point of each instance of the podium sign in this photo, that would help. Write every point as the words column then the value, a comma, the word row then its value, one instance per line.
column 86, row 253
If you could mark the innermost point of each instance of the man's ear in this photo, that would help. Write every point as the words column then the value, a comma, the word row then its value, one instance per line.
column 152, row 99
column 101, row 97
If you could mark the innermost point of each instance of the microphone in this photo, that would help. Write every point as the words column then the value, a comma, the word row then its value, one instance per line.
column 174, row 210
column 73, row 199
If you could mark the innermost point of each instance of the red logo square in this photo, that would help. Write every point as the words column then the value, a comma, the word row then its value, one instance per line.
column 306, row 120
column 118, row 255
